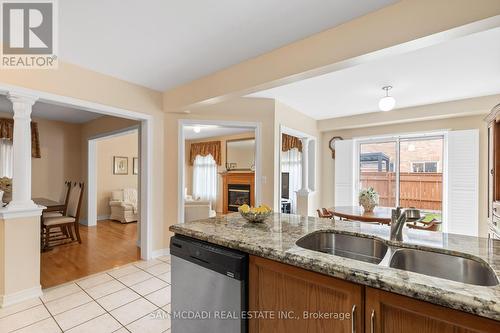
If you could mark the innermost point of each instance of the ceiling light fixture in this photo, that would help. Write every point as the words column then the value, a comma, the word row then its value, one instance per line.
column 197, row 129
column 387, row 103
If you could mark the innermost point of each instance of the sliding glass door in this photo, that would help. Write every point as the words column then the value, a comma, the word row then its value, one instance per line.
column 405, row 171
column 376, row 169
column 421, row 173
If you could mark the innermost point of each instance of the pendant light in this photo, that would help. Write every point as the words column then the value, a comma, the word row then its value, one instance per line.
column 387, row 102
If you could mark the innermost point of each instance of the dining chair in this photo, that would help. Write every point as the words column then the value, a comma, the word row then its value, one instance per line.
column 323, row 213
column 327, row 213
column 69, row 220
column 64, row 197
column 431, row 226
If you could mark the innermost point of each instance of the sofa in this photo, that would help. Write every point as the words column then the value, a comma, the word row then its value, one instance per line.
column 197, row 209
column 123, row 204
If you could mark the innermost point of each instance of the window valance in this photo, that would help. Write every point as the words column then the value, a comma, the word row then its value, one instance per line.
column 7, row 132
column 289, row 142
column 205, row 148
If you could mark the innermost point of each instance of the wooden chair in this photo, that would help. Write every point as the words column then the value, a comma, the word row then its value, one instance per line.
column 431, row 226
column 327, row 213
column 68, row 222
column 324, row 213
column 65, row 197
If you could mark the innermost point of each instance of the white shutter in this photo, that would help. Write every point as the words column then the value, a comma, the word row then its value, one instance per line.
column 344, row 173
column 462, row 190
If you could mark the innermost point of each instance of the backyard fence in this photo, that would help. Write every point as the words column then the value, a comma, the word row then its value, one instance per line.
column 417, row 189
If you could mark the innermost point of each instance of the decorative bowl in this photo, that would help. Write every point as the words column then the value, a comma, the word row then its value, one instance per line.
column 255, row 217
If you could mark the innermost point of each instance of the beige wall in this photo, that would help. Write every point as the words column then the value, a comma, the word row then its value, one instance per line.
column 188, row 175
column 64, row 155
column 19, row 256
column 73, row 81
column 319, row 53
column 124, row 145
column 60, row 157
column 293, row 119
column 242, row 109
column 458, row 123
column 3, row 269
column 94, row 128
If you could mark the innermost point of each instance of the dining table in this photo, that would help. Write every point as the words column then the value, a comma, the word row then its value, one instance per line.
column 49, row 204
column 357, row 213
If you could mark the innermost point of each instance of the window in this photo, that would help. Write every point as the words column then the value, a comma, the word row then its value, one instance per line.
column 5, row 158
column 424, row 166
column 376, row 166
column 291, row 163
column 205, row 178
column 405, row 171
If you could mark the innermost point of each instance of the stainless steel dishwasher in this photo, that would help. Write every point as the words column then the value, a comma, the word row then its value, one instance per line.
column 209, row 287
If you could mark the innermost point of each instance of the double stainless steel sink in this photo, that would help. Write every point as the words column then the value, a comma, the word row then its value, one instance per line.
column 376, row 251
column 360, row 248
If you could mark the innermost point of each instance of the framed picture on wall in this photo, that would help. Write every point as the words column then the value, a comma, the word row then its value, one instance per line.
column 120, row 165
column 135, row 166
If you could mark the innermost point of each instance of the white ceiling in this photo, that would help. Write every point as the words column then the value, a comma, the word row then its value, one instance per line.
column 53, row 112
column 209, row 131
column 463, row 68
column 164, row 43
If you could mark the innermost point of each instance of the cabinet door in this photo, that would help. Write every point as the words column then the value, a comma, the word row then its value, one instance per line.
column 282, row 291
column 390, row 313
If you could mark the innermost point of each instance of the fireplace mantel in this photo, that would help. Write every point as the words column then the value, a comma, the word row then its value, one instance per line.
column 237, row 178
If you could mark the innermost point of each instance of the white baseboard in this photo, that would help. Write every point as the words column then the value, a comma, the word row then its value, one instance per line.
column 20, row 296
column 161, row 252
column 102, row 217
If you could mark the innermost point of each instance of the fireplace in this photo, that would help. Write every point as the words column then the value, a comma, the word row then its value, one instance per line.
column 238, row 188
column 237, row 195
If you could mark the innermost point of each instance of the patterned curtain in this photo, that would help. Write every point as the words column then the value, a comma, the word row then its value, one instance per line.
column 204, row 149
column 7, row 132
column 289, row 142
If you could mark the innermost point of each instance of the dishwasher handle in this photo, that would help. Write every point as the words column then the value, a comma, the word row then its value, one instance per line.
column 231, row 263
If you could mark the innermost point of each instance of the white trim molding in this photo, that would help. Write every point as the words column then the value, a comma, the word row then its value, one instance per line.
column 20, row 296
column 161, row 253
column 309, row 163
column 92, row 161
column 146, row 150
column 11, row 213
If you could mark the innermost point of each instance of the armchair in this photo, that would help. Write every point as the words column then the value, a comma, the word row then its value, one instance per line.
column 123, row 204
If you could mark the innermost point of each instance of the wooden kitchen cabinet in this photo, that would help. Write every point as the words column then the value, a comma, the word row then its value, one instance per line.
column 391, row 313
column 280, row 289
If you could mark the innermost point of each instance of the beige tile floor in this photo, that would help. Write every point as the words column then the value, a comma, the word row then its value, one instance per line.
column 131, row 298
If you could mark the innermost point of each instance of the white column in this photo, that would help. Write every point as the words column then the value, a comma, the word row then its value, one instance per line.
column 21, row 147
column 304, row 190
column 303, row 193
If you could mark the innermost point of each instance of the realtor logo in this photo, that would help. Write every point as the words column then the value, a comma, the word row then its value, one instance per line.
column 29, row 34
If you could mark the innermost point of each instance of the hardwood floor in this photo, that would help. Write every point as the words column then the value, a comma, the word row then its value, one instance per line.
column 108, row 245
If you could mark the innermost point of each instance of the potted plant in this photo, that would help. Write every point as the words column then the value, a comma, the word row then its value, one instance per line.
column 6, row 187
column 369, row 199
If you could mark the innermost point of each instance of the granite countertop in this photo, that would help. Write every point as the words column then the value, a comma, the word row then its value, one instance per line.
column 275, row 239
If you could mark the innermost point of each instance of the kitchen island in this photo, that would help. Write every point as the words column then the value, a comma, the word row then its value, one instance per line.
column 378, row 298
